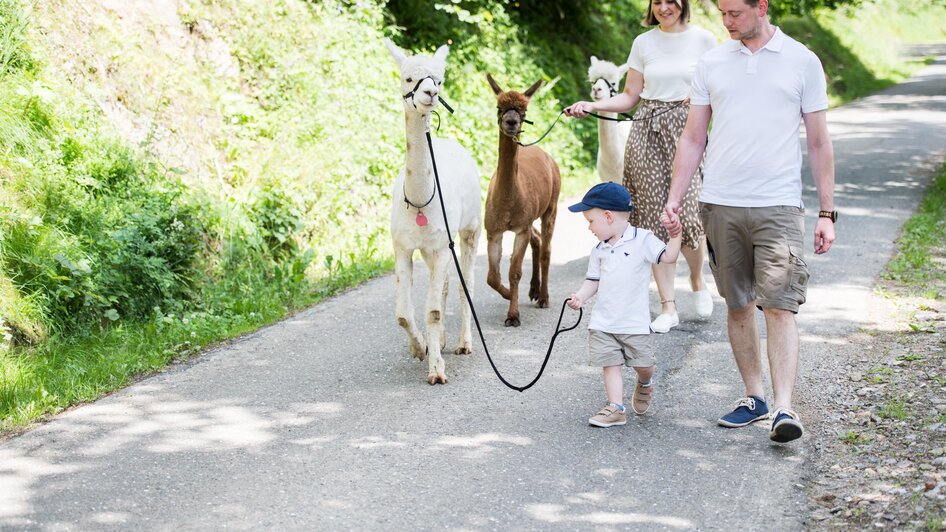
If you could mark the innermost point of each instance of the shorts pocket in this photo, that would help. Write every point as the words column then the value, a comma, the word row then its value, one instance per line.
column 799, row 275
column 711, row 255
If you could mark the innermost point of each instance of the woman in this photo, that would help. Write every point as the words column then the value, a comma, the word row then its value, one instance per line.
column 661, row 64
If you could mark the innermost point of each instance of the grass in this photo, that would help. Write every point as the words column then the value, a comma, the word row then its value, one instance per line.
column 919, row 266
column 894, row 409
column 854, row 438
column 64, row 371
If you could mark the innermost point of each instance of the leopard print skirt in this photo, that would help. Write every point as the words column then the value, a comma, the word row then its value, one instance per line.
column 648, row 161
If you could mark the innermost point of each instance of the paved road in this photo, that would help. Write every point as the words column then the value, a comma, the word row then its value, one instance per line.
column 324, row 422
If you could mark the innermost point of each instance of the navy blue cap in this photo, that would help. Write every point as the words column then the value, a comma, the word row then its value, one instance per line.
column 608, row 196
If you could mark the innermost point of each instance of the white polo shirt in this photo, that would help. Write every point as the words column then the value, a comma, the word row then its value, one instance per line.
column 623, row 274
column 753, row 158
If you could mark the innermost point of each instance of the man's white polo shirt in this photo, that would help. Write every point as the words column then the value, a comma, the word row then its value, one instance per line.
column 753, row 158
column 623, row 274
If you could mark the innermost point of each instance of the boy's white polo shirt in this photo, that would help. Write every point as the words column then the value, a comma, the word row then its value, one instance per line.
column 753, row 157
column 623, row 274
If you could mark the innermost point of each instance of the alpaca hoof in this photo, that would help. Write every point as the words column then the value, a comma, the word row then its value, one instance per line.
column 418, row 351
column 542, row 304
column 534, row 293
column 436, row 378
column 465, row 349
column 512, row 322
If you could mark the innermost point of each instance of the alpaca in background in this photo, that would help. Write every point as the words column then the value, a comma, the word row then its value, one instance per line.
column 605, row 78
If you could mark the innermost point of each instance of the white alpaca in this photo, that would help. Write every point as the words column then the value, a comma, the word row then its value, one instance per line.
column 417, row 219
column 605, row 78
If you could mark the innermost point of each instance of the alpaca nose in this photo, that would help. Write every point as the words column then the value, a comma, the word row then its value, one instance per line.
column 432, row 92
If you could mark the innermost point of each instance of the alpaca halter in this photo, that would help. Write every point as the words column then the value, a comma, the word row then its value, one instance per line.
column 410, row 95
column 522, row 120
column 611, row 88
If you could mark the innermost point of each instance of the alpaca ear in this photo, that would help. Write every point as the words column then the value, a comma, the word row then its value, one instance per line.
column 594, row 60
column 492, row 83
column 441, row 53
column 622, row 69
column 531, row 90
column 396, row 52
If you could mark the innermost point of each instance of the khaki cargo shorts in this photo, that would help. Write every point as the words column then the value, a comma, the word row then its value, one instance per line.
column 756, row 253
column 632, row 350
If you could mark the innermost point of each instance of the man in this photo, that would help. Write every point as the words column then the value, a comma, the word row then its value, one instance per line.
column 757, row 89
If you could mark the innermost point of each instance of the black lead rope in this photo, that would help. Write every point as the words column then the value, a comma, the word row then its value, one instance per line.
column 469, row 300
column 625, row 118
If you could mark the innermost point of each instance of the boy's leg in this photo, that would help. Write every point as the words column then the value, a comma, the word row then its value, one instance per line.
column 643, row 389
column 614, row 384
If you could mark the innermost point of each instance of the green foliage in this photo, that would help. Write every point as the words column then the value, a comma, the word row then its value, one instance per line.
column 14, row 46
column 919, row 261
column 854, row 438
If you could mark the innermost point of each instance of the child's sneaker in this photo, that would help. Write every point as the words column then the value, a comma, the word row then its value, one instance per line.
column 643, row 395
column 609, row 416
column 746, row 410
column 785, row 426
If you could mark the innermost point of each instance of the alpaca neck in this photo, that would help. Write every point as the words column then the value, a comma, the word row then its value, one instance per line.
column 418, row 179
column 508, row 165
column 609, row 134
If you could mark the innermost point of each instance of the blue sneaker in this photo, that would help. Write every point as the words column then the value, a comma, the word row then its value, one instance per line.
column 746, row 410
column 785, row 426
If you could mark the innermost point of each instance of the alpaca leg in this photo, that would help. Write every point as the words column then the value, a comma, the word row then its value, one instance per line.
column 443, row 305
column 404, row 272
column 437, row 261
column 535, row 283
column 468, row 243
column 548, row 226
column 515, row 274
column 494, row 251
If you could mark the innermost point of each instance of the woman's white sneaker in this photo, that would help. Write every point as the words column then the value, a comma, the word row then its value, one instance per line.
column 703, row 303
column 665, row 322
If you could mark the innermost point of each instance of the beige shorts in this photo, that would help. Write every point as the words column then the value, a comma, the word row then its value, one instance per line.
column 756, row 254
column 632, row 350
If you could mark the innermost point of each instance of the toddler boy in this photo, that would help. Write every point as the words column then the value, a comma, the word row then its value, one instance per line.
column 619, row 270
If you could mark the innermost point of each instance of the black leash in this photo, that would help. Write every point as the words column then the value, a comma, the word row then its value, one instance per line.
column 469, row 300
column 625, row 118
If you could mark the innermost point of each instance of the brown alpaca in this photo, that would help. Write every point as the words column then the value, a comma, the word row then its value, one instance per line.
column 525, row 187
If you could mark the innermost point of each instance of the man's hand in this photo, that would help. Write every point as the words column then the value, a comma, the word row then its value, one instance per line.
column 673, row 228
column 670, row 218
column 824, row 235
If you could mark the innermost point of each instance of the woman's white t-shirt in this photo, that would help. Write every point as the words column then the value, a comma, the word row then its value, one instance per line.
column 667, row 60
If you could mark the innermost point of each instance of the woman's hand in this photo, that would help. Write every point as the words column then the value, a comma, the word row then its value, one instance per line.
column 579, row 109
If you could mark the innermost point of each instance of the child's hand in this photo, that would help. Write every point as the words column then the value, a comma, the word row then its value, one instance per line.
column 574, row 302
column 673, row 226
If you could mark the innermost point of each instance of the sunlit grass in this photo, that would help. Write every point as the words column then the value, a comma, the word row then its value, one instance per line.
column 919, row 264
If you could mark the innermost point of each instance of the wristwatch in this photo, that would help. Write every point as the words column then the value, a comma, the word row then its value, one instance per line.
column 833, row 215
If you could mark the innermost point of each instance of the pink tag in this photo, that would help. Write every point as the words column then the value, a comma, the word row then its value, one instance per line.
column 421, row 220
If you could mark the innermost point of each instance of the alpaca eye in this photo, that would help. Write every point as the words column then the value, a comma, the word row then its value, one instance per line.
column 409, row 80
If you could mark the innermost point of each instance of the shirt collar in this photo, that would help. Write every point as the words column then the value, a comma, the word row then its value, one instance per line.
column 775, row 44
column 629, row 234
